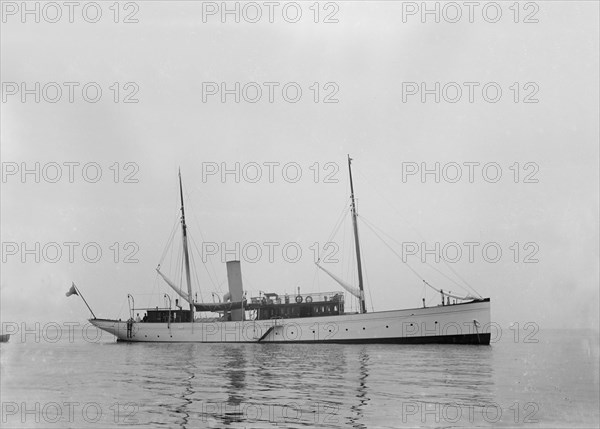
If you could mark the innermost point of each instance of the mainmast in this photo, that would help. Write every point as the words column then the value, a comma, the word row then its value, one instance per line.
column 185, row 252
column 363, row 307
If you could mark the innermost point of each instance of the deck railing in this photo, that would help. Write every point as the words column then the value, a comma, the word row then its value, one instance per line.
column 298, row 298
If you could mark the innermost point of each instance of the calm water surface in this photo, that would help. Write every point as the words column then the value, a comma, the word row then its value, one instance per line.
column 78, row 383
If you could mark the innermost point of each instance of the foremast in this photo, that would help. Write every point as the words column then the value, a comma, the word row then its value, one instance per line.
column 363, row 307
column 185, row 252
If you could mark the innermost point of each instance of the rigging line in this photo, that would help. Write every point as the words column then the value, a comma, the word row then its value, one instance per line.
column 196, row 277
column 337, row 227
column 460, row 278
column 366, row 275
column 188, row 200
column 169, row 248
column 351, row 267
column 172, row 236
column 154, row 288
column 171, row 253
column 121, row 310
column 195, row 218
column 169, row 241
column 464, row 281
column 405, row 220
column 440, row 272
column 426, row 263
column 341, row 219
column 192, row 271
column 212, row 281
column 424, row 294
column 316, row 279
column 368, row 283
column 175, row 253
column 351, row 258
column 210, row 261
column 179, row 272
column 148, row 294
column 351, row 272
column 394, row 252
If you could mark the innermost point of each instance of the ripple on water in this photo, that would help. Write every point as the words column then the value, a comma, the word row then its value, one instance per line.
column 309, row 385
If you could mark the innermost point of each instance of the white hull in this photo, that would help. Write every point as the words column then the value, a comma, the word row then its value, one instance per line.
column 467, row 323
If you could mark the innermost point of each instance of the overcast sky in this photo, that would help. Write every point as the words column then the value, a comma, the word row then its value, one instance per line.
column 365, row 62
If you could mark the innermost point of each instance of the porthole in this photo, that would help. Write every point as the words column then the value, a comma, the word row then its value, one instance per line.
column 386, row 326
column 364, row 328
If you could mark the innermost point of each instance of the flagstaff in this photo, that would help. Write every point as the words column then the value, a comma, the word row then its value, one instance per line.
column 75, row 291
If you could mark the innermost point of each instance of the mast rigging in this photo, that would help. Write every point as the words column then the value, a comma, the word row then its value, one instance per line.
column 363, row 307
column 185, row 251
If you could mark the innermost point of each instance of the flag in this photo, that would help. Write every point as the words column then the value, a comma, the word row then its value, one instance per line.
column 72, row 291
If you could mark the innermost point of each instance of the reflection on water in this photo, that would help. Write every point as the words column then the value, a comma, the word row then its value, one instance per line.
column 188, row 373
column 226, row 385
column 234, row 364
column 361, row 390
column 304, row 385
